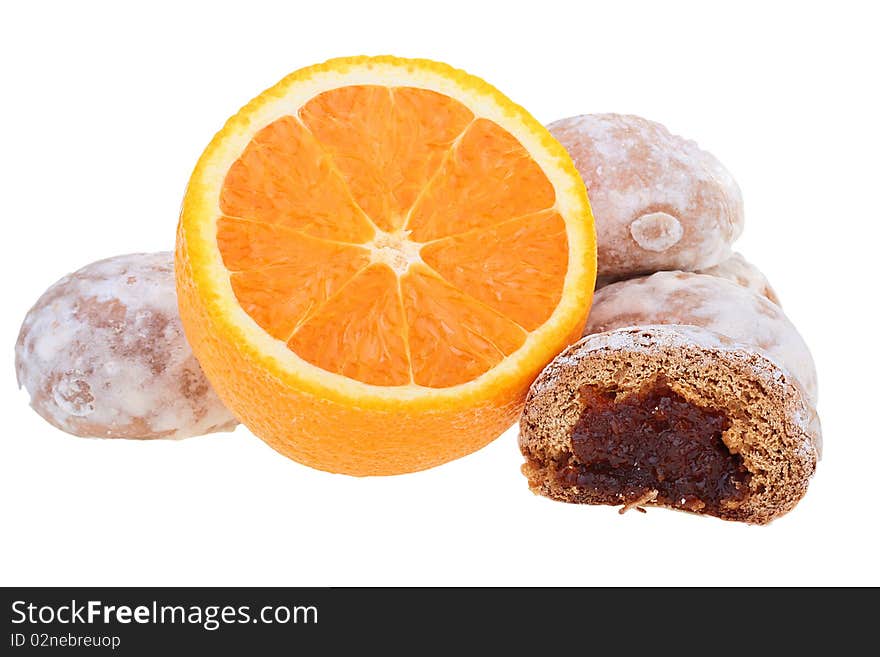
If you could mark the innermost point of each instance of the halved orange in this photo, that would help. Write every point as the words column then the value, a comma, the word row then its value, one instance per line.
column 375, row 259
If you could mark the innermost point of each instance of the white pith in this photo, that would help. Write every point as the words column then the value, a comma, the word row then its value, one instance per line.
column 394, row 249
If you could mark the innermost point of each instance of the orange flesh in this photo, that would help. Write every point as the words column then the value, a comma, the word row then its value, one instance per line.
column 388, row 235
column 362, row 334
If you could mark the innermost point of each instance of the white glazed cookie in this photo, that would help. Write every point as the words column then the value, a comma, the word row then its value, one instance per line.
column 102, row 353
column 710, row 302
column 742, row 272
column 735, row 269
column 660, row 202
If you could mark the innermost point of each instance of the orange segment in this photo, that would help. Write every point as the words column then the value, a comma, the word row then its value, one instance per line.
column 283, row 177
column 386, row 142
column 489, row 178
column 279, row 276
column 247, row 245
column 360, row 332
column 411, row 248
column 521, row 275
column 452, row 338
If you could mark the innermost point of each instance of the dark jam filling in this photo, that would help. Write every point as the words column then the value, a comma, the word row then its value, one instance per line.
column 654, row 445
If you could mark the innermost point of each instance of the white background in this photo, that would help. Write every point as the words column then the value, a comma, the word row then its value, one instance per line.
column 105, row 110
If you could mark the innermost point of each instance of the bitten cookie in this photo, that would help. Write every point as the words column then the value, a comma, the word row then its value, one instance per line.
column 713, row 303
column 742, row 272
column 102, row 353
column 660, row 202
column 672, row 416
